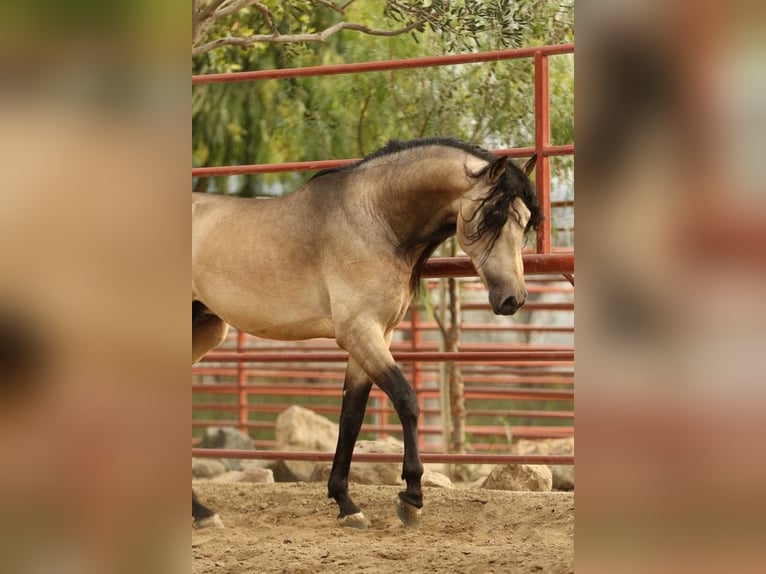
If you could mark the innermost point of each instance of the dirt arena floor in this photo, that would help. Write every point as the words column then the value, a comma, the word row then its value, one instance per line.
column 290, row 528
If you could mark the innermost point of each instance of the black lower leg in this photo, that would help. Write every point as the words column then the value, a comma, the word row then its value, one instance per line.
column 199, row 510
column 351, row 418
column 406, row 405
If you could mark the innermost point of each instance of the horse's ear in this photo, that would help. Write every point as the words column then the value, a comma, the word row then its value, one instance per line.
column 529, row 165
column 496, row 169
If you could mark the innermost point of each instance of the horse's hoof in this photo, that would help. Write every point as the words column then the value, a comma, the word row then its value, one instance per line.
column 209, row 522
column 356, row 520
column 408, row 514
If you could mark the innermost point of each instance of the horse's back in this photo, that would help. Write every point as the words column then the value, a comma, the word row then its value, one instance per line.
column 255, row 264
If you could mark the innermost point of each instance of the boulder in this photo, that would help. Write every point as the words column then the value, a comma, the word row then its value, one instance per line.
column 259, row 475
column 479, row 482
column 230, row 476
column 523, row 477
column 368, row 472
column 226, row 437
column 298, row 428
column 563, row 474
column 436, row 479
column 251, row 474
column 207, row 467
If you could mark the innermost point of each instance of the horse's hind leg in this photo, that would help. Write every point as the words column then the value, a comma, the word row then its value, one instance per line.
column 203, row 516
column 208, row 331
column 356, row 390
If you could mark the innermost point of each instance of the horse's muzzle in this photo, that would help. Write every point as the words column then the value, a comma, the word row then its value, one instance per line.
column 510, row 305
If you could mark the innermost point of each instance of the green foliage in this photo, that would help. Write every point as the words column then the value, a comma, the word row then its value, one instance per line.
column 488, row 24
column 326, row 117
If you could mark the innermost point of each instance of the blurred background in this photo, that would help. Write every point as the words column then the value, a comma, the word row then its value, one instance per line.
column 94, row 108
column 671, row 261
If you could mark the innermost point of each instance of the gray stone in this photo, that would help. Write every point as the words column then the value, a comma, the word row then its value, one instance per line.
column 259, row 475
column 479, row 482
column 301, row 429
column 231, row 476
column 207, row 467
column 520, row 477
column 563, row 474
column 436, row 479
column 368, row 472
column 229, row 438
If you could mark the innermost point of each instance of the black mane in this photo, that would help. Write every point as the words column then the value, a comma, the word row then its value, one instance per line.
column 396, row 146
column 495, row 206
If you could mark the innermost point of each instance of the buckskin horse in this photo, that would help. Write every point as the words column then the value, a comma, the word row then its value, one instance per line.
column 341, row 258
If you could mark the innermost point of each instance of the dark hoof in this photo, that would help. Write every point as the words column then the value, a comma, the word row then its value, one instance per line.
column 408, row 514
column 356, row 520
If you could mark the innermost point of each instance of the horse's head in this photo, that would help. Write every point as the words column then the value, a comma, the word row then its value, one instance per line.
column 495, row 214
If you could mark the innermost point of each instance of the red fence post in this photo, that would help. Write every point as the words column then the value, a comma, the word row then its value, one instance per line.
column 542, row 142
column 416, row 339
column 241, row 384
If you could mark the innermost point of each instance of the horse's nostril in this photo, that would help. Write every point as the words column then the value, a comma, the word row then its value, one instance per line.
column 511, row 305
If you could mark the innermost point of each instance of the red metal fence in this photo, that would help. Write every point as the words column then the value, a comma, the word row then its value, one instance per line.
column 232, row 389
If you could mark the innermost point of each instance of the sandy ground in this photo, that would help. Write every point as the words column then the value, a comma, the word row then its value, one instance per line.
column 290, row 528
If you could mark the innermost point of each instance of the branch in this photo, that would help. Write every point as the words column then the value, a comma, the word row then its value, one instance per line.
column 332, row 6
column 237, row 5
column 268, row 16
column 275, row 36
column 208, row 10
column 202, row 17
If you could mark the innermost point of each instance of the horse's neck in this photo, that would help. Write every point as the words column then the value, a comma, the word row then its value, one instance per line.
column 420, row 202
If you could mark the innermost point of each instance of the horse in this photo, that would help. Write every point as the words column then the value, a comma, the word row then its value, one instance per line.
column 341, row 258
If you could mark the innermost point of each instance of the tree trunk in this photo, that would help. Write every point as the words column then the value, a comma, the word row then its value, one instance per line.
column 455, row 375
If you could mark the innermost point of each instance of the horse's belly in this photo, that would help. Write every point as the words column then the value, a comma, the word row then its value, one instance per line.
column 287, row 329
column 268, row 315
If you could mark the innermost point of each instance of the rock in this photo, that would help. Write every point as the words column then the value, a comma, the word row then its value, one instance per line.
column 321, row 473
column 226, row 437
column 255, row 463
column 524, row 477
column 388, row 445
column 282, row 473
column 231, row 476
column 479, row 482
column 259, row 475
column 563, row 474
column 360, row 473
column 368, row 472
column 436, row 479
column 207, row 467
column 298, row 428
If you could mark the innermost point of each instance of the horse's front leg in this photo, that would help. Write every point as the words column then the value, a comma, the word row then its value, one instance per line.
column 356, row 390
column 405, row 403
column 369, row 348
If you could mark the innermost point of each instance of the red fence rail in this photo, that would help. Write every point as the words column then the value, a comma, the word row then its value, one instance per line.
column 317, row 364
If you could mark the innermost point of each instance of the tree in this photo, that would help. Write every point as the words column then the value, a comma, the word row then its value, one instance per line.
column 349, row 116
column 245, row 23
